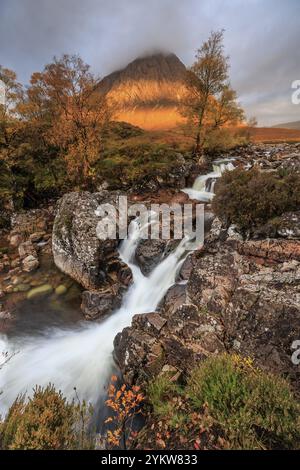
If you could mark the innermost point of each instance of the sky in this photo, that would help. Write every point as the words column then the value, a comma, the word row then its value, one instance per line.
column 262, row 38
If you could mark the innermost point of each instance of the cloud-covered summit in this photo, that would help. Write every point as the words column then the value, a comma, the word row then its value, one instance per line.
column 261, row 36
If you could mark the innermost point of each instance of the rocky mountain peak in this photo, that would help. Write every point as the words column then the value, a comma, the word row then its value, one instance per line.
column 147, row 90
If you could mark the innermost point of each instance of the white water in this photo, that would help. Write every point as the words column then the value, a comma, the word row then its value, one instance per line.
column 82, row 358
column 201, row 190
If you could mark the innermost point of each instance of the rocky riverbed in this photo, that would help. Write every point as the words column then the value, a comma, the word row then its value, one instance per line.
column 233, row 294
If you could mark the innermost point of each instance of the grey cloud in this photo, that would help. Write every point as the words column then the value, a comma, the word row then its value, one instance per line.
column 261, row 37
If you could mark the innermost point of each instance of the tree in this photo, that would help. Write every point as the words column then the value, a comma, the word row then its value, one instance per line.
column 225, row 109
column 65, row 99
column 12, row 96
column 209, row 102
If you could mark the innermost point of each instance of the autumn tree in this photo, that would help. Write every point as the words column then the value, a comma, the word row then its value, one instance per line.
column 209, row 101
column 125, row 404
column 65, row 101
column 12, row 94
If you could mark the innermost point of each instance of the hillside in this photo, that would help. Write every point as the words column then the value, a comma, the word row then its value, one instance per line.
column 146, row 91
column 295, row 125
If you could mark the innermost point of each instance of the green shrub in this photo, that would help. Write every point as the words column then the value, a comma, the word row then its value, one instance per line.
column 160, row 392
column 46, row 421
column 251, row 198
column 255, row 410
column 226, row 403
column 122, row 166
column 166, row 400
column 122, row 130
column 220, row 140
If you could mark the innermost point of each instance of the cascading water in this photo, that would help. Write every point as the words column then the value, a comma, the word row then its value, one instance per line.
column 82, row 357
column 203, row 186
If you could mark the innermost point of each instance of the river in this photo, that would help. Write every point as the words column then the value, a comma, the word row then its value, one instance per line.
column 81, row 355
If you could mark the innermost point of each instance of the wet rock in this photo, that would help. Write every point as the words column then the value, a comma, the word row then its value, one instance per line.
column 30, row 263
column 40, row 291
column 149, row 253
column 186, row 268
column 173, row 178
column 60, row 290
column 23, row 287
column 241, row 296
column 100, row 303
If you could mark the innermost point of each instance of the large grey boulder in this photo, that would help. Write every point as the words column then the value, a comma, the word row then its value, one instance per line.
column 77, row 250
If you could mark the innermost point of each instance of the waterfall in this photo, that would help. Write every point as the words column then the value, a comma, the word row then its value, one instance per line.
column 82, row 357
column 203, row 187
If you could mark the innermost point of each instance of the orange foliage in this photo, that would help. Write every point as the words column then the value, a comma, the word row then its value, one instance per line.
column 125, row 403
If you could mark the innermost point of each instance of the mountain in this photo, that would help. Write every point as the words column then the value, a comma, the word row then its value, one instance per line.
column 146, row 91
column 288, row 125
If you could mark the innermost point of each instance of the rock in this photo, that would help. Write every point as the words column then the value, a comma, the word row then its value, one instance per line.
column 289, row 225
column 60, row 290
column 23, row 287
column 15, row 240
column 77, row 250
column 149, row 253
column 5, row 315
column 15, row 263
column 98, row 304
column 36, row 237
column 30, row 263
column 285, row 226
column 233, row 233
column 253, row 288
column 15, row 280
column 32, row 221
column 40, row 291
column 172, row 178
column 26, row 249
column 241, row 296
column 186, row 268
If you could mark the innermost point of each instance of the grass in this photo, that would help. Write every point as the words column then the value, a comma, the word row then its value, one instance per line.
column 231, row 402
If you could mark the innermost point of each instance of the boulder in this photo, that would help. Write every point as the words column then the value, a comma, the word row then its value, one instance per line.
column 30, row 263
column 100, row 303
column 77, row 250
column 252, row 288
column 241, row 297
column 149, row 253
